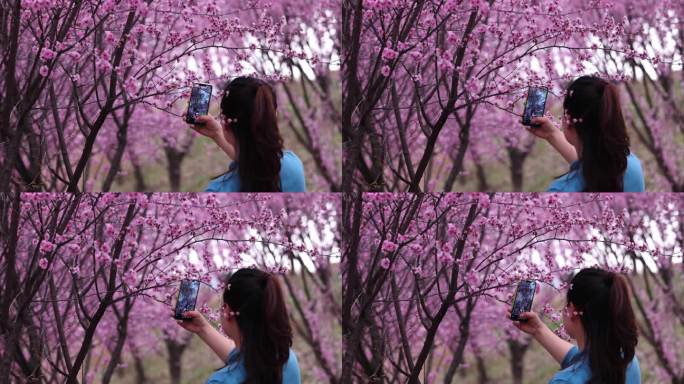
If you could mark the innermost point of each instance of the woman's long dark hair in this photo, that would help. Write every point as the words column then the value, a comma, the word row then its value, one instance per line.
column 252, row 102
column 593, row 105
column 603, row 297
column 257, row 299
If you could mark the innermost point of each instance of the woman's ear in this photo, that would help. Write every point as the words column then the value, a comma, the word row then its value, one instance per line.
column 573, row 312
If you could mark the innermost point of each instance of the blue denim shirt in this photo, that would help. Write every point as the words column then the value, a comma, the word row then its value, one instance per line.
column 575, row 370
column 291, row 176
column 573, row 181
column 234, row 371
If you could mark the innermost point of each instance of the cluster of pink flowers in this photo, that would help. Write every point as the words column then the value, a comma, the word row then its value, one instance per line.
column 46, row 246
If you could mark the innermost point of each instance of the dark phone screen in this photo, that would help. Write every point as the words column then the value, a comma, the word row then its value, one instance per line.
column 535, row 104
column 523, row 298
column 187, row 297
column 199, row 102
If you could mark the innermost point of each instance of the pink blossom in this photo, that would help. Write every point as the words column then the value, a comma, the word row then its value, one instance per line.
column 131, row 277
column 44, row 70
column 46, row 246
column 47, row 54
column 109, row 37
column 385, row 263
column 43, row 263
column 388, row 246
column 388, row 54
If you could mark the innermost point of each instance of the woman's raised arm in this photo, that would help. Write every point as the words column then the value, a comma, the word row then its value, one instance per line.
column 220, row 344
column 555, row 137
column 556, row 346
column 213, row 130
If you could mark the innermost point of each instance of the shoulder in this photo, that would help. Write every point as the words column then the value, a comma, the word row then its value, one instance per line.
column 634, row 176
column 571, row 375
column 570, row 357
column 577, row 373
column 291, row 373
column 633, row 164
column 229, row 182
column 633, row 372
column 570, row 182
column 232, row 373
column 292, row 173
column 574, row 369
column 291, row 161
column 227, row 375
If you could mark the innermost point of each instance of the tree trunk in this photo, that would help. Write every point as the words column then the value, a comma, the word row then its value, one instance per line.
column 174, row 159
column 482, row 184
column 175, row 351
column 140, row 185
column 517, row 350
column 482, row 376
column 517, row 158
column 140, row 377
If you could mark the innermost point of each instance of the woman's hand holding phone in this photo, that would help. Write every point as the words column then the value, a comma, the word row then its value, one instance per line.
column 198, row 324
column 533, row 324
column 545, row 129
column 549, row 132
column 212, row 129
column 556, row 346
column 220, row 344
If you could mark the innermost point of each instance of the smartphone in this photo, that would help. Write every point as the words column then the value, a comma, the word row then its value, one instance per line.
column 534, row 105
column 200, row 96
column 524, row 295
column 187, row 298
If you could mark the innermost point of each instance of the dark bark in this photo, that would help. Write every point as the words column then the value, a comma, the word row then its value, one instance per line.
column 140, row 184
column 174, row 350
column 95, row 127
column 174, row 160
column 517, row 161
column 121, row 334
column 482, row 376
column 517, row 350
column 105, row 303
column 140, row 376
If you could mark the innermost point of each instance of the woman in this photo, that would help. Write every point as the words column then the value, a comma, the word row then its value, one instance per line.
column 254, row 316
column 594, row 141
column 249, row 135
column 599, row 316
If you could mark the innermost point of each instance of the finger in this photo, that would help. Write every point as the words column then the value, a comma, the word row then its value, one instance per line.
column 526, row 315
column 192, row 314
column 203, row 118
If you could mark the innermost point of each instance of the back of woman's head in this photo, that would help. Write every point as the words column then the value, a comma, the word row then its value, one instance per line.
column 251, row 105
column 603, row 299
column 593, row 107
column 257, row 300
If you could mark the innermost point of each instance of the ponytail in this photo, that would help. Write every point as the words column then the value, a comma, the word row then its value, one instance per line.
column 608, row 319
column 264, row 324
column 251, row 103
column 593, row 107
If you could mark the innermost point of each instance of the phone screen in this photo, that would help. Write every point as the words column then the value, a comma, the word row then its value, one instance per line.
column 199, row 102
column 524, row 295
column 187, row 297
column 534, row 105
